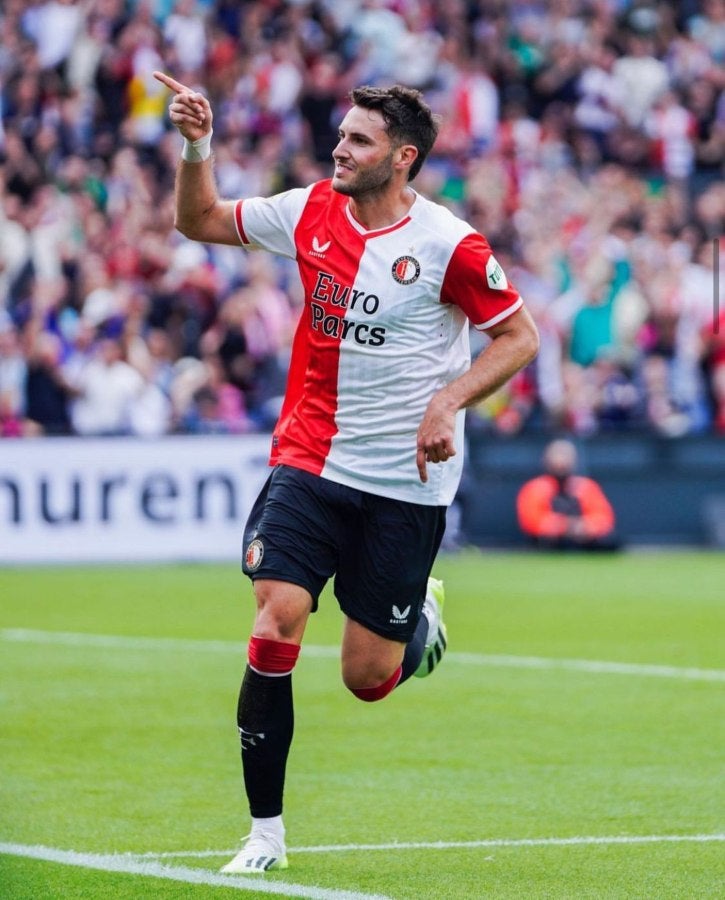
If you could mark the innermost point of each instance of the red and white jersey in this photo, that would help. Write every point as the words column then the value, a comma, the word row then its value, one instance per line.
column 385, row 326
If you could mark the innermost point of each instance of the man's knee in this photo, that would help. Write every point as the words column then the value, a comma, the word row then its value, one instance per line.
column 282, row 611
column 371, row 664
column 361, row 689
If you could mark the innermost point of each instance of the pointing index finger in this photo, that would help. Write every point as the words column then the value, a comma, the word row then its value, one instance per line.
column 420, row 462
column 171, row 83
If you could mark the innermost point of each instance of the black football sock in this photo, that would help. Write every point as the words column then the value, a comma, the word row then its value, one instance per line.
column 414, row 649
column 265, row 717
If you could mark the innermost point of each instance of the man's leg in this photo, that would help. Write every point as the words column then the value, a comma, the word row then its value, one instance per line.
column 372, row 666
column 393, row 607
column 266, row 719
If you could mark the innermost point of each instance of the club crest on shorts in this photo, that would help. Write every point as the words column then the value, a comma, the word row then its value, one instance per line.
column 254, row 555
column 406, row 269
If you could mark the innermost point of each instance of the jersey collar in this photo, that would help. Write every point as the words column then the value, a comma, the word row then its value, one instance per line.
column 378, row 232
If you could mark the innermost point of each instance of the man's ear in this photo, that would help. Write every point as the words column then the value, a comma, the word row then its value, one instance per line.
column 406, row 156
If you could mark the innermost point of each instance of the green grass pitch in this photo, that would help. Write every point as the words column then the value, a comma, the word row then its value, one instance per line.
column 127, row 749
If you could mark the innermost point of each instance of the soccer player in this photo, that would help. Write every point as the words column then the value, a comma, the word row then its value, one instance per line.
column 366, row 452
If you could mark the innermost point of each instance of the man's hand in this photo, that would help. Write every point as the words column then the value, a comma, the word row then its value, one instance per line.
column 190, row 111
column 435, row 435
column 514, row 343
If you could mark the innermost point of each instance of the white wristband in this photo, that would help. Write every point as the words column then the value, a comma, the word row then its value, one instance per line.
column 197, row 151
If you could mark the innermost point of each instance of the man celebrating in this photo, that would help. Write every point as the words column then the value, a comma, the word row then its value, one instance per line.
column 379, row 378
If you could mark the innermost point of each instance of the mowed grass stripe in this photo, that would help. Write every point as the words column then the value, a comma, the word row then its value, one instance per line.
column 593, row 666
column 129, row 865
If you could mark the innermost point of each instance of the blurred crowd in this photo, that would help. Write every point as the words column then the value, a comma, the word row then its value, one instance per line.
column 585, row 139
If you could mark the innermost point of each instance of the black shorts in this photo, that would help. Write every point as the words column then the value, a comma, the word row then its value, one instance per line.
column 304, row 529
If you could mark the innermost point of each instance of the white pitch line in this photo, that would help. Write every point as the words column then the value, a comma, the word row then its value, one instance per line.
column 591, row 666
column 128, row 865
column 464, row 845
column 117, row 641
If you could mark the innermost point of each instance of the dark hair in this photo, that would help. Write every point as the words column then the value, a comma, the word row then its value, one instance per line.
column 408, row 118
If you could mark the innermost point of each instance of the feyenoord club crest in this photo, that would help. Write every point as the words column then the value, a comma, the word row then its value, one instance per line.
column 255, row 552
column 406, row 269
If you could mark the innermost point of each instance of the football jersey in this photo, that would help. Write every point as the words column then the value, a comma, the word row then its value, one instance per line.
column 384, row 327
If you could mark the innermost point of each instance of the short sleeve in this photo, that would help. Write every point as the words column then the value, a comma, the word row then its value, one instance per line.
column 475, row 282
column 269, row 223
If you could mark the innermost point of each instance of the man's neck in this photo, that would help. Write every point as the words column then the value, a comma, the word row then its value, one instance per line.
column 382, row 210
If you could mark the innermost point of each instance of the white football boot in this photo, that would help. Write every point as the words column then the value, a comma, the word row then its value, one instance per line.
column 437, row 640
column 261, row 852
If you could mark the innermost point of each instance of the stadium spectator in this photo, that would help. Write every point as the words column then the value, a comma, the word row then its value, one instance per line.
column 560, row 510
column 185, row 32
column 47, row 393
column 672, row 128
column 53, row 27
column 713, row 360
column 640, row 77
column 217, row 407
column 13, row 375
column 105, row 388
column 598, row 110
column 707, row 27
column 368, row 408
column 568, row 128
column 320, row 97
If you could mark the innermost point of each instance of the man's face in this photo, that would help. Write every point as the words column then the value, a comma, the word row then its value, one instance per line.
column 363, row 156
column 560, row 458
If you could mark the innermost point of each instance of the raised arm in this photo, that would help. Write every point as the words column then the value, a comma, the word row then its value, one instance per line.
column 200, row 214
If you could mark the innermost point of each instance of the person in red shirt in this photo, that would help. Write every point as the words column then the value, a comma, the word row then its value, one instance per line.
column 561, row 510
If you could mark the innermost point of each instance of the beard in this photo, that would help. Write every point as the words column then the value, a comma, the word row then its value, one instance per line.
column 367, row 183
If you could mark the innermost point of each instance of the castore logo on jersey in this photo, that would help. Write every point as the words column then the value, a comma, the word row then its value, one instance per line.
column 319, row 249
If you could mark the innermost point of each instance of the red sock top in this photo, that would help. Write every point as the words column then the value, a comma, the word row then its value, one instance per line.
column 370, row 695
column 272, row 657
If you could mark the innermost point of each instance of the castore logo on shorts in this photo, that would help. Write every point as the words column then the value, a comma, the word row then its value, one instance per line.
column 400, row 617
